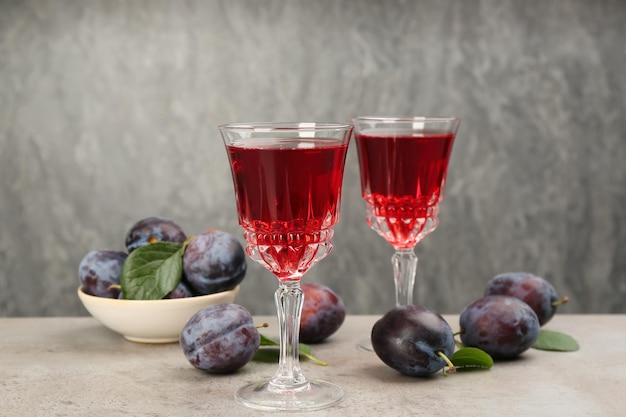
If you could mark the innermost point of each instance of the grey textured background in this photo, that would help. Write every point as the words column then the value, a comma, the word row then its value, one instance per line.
column 109, row 113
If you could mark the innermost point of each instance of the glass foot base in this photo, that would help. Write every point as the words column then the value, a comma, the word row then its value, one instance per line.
column 366, row 345
column 317, row 395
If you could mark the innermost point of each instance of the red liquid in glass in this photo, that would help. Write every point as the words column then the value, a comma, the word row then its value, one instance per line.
column 288, row 198
column 402, row 181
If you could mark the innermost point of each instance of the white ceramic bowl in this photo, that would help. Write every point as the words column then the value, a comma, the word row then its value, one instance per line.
column 150, row 321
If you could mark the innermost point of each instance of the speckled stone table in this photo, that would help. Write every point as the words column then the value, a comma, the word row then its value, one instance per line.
column 76, row 367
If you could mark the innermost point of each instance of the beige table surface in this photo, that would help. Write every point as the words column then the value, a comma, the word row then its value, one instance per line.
column 76, row 367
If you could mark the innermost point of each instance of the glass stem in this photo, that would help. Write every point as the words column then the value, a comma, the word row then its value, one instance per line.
column 289, row 298
column 404, row 263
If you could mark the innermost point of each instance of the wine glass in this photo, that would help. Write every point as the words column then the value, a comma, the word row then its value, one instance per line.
column 403, row 164
column 288, row 179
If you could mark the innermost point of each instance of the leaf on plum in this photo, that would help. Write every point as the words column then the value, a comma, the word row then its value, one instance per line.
column 555, row 341
column 152, row 271
column 468, row 358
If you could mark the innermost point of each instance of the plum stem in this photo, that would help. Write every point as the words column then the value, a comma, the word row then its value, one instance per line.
column 562, row 301
column 187, row 242
column 451, row 366
column 262, row 325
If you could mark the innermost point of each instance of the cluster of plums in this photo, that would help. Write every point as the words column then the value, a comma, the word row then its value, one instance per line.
column 504, row 323
column 213, row 261
column 413, row 340
column 219, row 338
column 507, row 320
column 222, row 338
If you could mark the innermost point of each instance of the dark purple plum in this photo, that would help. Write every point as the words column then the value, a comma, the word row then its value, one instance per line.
column 501, row 325
column 220, row 338
column 182, row 290
column 323, row 313
column 153, row 229
column 535, row 291
column 213, row 262
column 412, row 339
column 100, row 269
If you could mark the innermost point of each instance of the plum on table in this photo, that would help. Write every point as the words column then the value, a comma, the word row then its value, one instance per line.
column 501, row 325
column 413, row 340
column 220, row 338
column 535, row 291
column 323, row 313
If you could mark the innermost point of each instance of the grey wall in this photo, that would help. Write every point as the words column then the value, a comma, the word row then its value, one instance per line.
column 109, row 113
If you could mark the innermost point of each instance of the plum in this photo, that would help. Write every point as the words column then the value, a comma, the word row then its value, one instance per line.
column 213, row 262
column 535, row 291
column 153, row 229
column 414, row 340
column 182, row 290
column 323, row 313
column 220, row 338
column 501, row 325
column 100, row 269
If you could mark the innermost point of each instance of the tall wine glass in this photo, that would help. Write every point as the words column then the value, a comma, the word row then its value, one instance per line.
column 288, row 179
column 403, row 164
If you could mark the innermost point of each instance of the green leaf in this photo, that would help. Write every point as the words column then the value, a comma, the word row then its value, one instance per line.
column 151, row 272
column 269, row 351
column 266, row 355
column 266, row 341
column 555, row 341
column 305, row 350
column 471, row 358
